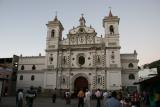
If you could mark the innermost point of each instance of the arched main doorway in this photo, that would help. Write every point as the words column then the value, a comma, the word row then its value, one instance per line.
column 80, row 83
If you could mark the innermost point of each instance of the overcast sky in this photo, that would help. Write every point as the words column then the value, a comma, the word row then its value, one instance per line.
column 23, row 24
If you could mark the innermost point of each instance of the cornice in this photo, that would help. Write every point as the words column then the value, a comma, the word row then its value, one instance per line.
column 30, row 71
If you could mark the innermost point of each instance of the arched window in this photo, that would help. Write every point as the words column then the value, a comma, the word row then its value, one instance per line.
column 21, row 77
column 52, row 33
column 33, row 67
column 22, row 67
column 131, row 77
column 32, row 77
column 111, row 29
column 81, row 60
column 130, row 65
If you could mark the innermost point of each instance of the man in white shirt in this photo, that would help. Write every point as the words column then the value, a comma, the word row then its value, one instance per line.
column 20, row 98
column 87, row 98
column 105, row 96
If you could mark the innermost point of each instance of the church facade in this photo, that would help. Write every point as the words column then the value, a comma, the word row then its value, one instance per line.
column 82, row 60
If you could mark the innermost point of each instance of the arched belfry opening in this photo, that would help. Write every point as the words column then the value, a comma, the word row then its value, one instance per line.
column 52, row 34
column 80, row 83
column 111, row 29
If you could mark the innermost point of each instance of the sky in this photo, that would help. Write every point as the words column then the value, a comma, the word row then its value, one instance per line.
column 23, row 24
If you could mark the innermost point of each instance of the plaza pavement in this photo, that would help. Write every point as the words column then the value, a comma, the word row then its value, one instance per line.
column 45, row 102
column 42, row 102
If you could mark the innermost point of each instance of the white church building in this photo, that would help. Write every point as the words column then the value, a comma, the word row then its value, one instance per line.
column 82, row 60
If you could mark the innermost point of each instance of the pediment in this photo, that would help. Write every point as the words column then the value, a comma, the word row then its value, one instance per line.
column 82, row 30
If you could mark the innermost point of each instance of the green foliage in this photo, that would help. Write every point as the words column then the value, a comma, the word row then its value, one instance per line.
column 154, row 64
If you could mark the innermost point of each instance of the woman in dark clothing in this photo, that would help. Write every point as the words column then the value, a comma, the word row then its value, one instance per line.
column 54, row 97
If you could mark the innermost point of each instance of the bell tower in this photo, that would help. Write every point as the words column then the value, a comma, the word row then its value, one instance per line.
column 113, row 62
column 111, row 25
column 54, row 36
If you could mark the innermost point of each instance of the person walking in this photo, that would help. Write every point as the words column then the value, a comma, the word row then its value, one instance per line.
column 67, row 97
column 113, row 102
column 54, row 97
column 30, row 97
column 136, row 99
column 87, row 98
column 98, row 96
column 80, row 98
column 20, row 98
column 105, row 96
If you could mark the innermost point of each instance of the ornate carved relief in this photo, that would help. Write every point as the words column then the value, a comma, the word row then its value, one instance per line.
column 94, row 60
column 73, row 39
column 94, row 82
column 81, row 39
column 90, row 39
column 64, row 60
column 112, row 57
column 103, row 59
column 98, row 59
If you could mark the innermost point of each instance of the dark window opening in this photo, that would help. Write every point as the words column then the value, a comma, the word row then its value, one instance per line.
column 81, row 30
column 22, row 67
column 81, row 60
column 33, row 67
column 52, row 34
column 130, row 65
column 131, row 77
column 21, row 77
column 32, row 77
column 111, row 29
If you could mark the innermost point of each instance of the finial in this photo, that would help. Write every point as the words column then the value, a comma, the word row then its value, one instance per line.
column 82, row 20
column 55, row 19
column 56, row 13
column 135, row 52
column 110, row 12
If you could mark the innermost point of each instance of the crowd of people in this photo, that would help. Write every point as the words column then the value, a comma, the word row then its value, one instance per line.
column 103, row 98
column 108, row 99
column 25, row 99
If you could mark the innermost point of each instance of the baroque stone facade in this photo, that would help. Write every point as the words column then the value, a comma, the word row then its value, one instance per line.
column 82, row 60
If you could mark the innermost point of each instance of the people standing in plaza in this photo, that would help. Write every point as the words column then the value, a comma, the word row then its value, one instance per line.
column 157, row 99
column 80, row 98
column 113, row 102
column 87, row 98
column 54, row 97
column 98, row 96
column 135, row 99
column 20, row 98
column 30, row 97
column 105, row 96
column 67, row 97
